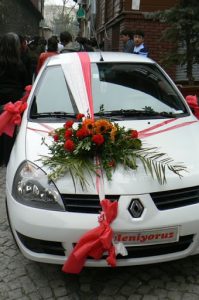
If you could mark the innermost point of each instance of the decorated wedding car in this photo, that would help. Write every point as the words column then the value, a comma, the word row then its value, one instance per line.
column 105, row 167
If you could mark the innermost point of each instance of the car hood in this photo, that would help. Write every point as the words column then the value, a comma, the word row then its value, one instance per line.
column 178, row 138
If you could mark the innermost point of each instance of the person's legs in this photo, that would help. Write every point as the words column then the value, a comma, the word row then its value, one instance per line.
column 1, row 151
column 6, row 144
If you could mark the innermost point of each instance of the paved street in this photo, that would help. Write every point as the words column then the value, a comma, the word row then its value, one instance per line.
column 25, row 280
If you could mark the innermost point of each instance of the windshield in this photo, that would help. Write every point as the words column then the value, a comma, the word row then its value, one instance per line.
column 133, row 86
column 132, row 90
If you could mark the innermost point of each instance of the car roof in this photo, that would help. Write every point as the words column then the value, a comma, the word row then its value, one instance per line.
column 96, row 57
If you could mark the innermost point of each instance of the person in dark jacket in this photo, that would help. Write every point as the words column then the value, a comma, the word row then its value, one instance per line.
column 13, row 79
column 36, row 47
column 67, row 41
column 52, row 47
column 85, row 44
column 126, row 36
column 25, row 57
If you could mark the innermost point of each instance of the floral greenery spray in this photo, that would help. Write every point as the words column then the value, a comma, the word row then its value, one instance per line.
column 74, row 150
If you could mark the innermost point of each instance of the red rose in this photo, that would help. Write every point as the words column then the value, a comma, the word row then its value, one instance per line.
column 111, row 163
column 98, row 139
column 82, row 133
column 69, row 124
column 56, row 137
column 79, row 116
column 69, row 146
column 134, row 134
column 68, row 134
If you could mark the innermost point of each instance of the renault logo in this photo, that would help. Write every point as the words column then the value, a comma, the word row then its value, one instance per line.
column 136, row 208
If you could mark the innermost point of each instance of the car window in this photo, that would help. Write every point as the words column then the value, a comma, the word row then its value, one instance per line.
column 133, row 86
column 52, row 93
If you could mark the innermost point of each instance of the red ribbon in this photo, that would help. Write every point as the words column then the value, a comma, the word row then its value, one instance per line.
column 147, row 132
column 95, row 242
column 12, row 114
column 86, row 69
column 192, row 100
column 193, row 103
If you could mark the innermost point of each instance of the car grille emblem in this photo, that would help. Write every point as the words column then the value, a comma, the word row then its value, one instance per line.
column 136, row 208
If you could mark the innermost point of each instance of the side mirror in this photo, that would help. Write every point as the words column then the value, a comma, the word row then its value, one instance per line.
column 192, row 101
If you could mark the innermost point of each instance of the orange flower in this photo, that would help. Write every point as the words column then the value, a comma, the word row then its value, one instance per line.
column 103, row 126
column 113, row 133
column 88, row 124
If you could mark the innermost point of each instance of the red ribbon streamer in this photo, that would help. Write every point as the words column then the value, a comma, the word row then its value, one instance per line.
column 193, row 104
column 12, row 114
column 95, row 242
column 146, row 132
column 86, row 68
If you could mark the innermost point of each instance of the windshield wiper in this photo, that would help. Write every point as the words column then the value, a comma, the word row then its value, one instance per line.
column 55, row 114
column 134, row 113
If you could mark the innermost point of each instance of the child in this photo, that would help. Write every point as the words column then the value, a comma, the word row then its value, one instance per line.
column 139, row 47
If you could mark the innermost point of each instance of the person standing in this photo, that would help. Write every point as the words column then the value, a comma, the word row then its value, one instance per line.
column 25, row 57
column 36, row 47
column 52, row 49
column 59, row 45
column 139, row 46
column 85, row 44
column 67, row 41
column 126, row 38
column 13, row 79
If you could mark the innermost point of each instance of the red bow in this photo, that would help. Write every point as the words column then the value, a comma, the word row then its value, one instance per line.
column 12, row 114
column 95, row 242
column 193, row 103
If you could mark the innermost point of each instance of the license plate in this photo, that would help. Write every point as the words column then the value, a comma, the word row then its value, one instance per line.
column 148, row 237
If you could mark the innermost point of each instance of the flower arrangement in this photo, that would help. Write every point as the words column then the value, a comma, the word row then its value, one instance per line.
column 94, row 144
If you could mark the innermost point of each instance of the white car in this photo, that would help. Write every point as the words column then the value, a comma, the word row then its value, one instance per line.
column 155, row 222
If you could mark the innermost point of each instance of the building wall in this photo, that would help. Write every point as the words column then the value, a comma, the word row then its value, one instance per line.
column 151, row 5
column 20, row 16
column 109, row 24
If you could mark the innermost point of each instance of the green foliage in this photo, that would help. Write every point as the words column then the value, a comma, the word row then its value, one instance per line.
column 183, row 30
column 100, row 144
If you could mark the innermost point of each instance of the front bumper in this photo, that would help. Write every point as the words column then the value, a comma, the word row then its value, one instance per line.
column 50, row 236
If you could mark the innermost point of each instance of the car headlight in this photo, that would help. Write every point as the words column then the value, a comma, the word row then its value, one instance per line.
column 31, row 187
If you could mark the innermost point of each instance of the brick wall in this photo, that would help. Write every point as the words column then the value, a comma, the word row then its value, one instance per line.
column 151, row 5
column 109, row 28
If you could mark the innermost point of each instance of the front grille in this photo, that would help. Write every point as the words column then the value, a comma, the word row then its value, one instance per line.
column 156, row 250
column 41, row 246
column 84, row 203
column 176, row 198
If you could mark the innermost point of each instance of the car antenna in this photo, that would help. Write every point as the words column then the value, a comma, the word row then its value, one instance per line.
column 101, row 57
column 100, row 51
